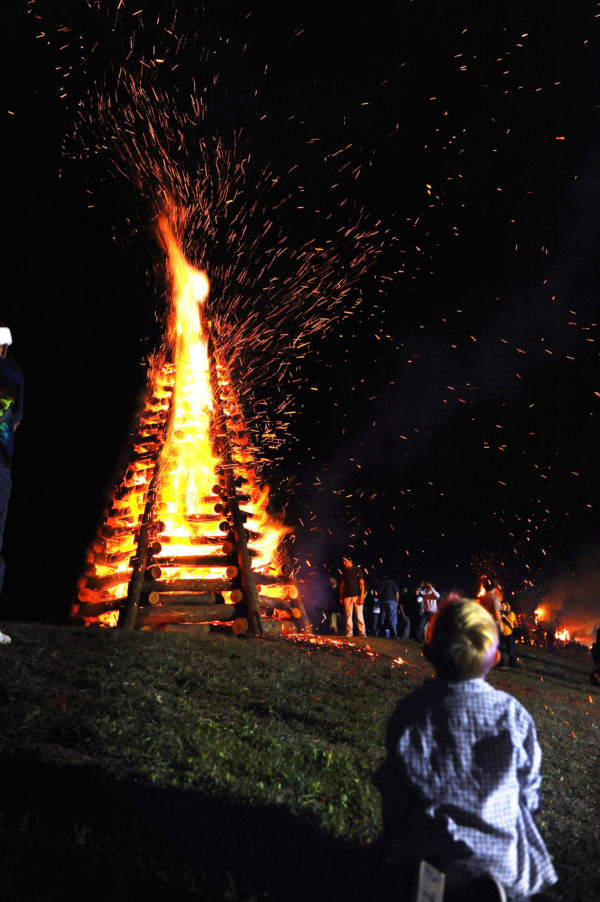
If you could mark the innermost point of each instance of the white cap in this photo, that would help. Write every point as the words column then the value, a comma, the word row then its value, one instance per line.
column 5, row 336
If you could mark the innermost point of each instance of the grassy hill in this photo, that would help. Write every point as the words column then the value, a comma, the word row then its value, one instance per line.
column 192, row 766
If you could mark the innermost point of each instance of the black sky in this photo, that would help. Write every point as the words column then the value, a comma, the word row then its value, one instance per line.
column 450, row 425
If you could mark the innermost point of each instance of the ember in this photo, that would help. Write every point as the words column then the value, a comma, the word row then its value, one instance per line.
column 188, row 536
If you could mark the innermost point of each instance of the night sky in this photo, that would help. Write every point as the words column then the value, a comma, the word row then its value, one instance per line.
column 413, row 238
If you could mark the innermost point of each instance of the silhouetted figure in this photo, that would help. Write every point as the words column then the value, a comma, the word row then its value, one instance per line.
column 408, row 600
column 372, row 612
column 389, row 595
column 352, row 596
column 507, row 639
column 428, row 598
column 11, row 411
column 332, row 615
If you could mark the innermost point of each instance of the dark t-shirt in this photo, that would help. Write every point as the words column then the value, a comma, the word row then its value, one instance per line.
column 387, row 590
column 11, row 407
column 350, row 581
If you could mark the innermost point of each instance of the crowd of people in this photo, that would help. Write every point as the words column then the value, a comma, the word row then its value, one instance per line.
column 379, row 608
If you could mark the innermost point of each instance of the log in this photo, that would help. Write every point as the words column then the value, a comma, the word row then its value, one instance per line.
column 106, row 560
column 180, row 598
column 106, row 582
column 277, row 604
column 185, row 613
column 140, row 458
column 112, row 532
column 199, row 560
column 154, row 413
column 128, row 616
column 187, row 585
column 145, row 446
column 112, row 557
column 244, row 562
column 137, row 492
column 279, row 614
column 226, row 547
column 127, row 487
column 153, row 572
column 94, row 609
column 88, row 595
column 239, row 626
column 163, row 508
column 304, row 623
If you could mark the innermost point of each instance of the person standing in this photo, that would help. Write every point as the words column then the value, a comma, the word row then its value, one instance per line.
column 389, row 596
column 403, row 627
column 11, row 411
column 352, row 595
column 460, row 784
column 372, row 611
column 507, row 639
column 331, row 612
column 408, row 603
column 429, row 599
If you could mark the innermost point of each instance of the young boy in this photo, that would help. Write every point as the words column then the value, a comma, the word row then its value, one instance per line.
column 460, row 783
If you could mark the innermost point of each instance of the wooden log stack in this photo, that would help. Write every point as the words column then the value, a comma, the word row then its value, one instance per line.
column 140, row 576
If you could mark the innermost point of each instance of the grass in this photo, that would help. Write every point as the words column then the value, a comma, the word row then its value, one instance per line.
column 222, row 768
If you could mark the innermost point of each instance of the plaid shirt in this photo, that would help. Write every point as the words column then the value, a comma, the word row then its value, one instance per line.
column 461, row 782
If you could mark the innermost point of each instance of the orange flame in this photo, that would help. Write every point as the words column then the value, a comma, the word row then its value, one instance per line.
column 187, row 462
column 179, row 434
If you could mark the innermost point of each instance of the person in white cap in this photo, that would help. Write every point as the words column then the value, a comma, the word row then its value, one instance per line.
column 11, row 411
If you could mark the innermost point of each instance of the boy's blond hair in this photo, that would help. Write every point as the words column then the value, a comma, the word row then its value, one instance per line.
column 463, row 640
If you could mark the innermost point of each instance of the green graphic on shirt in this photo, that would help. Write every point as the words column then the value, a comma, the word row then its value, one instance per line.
column 6, row 405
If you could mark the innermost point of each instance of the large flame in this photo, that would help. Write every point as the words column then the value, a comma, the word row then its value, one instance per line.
column 181, row 430
column 187, row 462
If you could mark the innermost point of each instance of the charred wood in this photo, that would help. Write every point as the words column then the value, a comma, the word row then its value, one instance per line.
column 185, row 613
column 95, row 609
column 106, row 582
column 112, row 532
column 185, row 598
column 279, row 604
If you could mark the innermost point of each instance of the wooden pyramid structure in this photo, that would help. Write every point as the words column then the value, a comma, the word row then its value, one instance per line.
column 187, row 540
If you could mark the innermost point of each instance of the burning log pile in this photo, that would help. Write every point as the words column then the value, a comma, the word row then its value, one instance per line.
column 187, row 538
